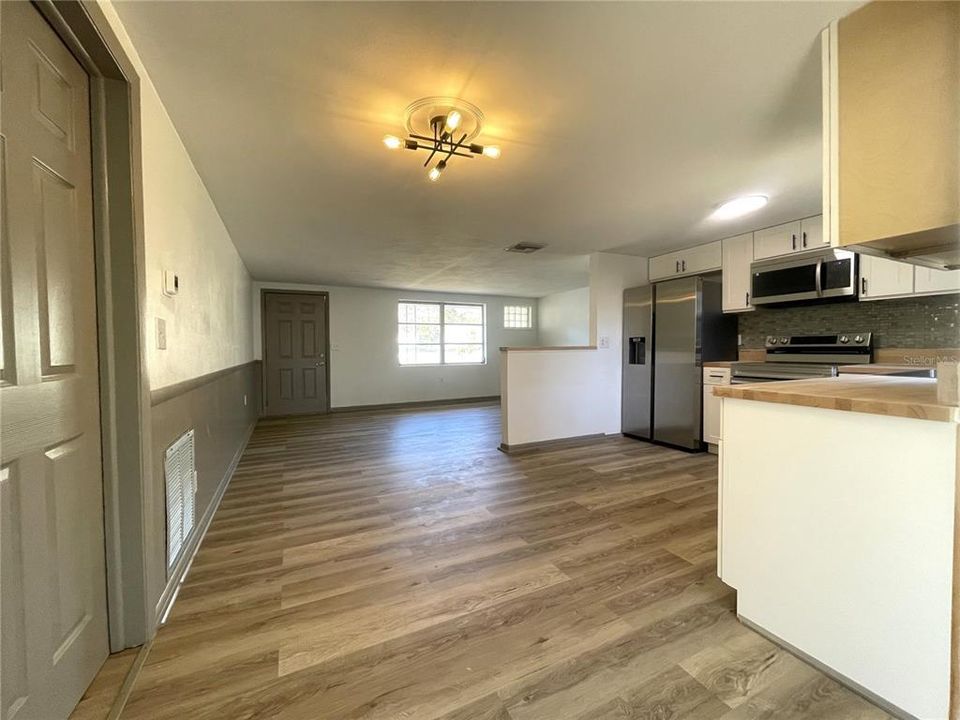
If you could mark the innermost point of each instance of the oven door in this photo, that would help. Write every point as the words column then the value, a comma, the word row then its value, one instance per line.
column 812, row 277
column 757, row 380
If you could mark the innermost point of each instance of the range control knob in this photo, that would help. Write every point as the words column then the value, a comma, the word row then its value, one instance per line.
column 784, row 341
column 844, row 339
column 858, row 339
column 771, row 340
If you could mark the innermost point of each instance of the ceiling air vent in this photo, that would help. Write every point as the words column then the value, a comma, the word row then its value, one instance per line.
column 525, row 247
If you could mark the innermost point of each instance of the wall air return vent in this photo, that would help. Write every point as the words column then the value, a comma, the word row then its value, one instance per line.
column 525, row 247
column 180, row 477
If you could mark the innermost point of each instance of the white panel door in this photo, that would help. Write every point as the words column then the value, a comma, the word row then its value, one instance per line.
column 929, row 281
column 53, row 580
column 777, row 240
column 883, row 278
column 737, row 256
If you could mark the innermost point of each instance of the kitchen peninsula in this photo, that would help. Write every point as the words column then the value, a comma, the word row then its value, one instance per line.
column 836, row 527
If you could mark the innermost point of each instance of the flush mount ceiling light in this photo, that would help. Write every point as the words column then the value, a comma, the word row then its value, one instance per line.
column 739, row 206
column 444, row 127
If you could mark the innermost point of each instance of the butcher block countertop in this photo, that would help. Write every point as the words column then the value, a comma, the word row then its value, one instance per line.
column 878, row 395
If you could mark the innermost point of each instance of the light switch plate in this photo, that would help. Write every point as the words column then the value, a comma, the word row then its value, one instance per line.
column 604, row 341
column 161, row 334
column 171, row 283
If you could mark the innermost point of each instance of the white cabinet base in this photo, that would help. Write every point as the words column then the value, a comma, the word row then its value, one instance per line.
column 837, row 532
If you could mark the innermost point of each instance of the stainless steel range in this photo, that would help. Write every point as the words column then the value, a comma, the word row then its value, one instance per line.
column 796, row 357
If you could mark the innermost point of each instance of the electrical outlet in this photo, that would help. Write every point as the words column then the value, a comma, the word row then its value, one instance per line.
column 604, row 341
column 161, row 334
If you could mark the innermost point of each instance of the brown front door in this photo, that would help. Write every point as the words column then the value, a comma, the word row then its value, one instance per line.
column 295, row 353
column 54, row 611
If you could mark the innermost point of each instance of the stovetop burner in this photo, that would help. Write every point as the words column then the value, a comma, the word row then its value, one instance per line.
column 795, row 357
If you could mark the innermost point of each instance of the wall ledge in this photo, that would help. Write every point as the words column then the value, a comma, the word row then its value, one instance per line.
column 169, row 392
column 547, row 348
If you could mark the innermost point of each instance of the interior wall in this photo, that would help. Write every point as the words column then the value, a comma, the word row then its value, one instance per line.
column 208, row 323
column 363, row 347
column 554, row 394
column 563, row 318
column 208, row 320
column 610, row 275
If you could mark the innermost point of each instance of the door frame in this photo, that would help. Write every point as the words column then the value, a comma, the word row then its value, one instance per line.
column 263, row 341
column 120, row 278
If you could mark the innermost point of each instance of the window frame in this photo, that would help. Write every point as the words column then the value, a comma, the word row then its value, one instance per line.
column 528, row 308
column 442, row 304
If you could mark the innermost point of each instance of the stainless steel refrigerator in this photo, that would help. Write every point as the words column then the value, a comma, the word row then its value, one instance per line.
column 670, row 329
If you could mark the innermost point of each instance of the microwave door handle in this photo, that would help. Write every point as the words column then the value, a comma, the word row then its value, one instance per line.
column 819, row 277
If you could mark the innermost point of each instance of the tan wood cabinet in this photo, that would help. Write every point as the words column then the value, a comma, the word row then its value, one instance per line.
column 894, row 124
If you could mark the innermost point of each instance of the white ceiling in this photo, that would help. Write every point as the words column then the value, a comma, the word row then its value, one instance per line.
column 622, row 126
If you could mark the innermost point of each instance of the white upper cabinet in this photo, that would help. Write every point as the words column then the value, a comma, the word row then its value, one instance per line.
column 812, row 235
column 777, row 240
column 737, row 256
column 929, row 281
column 692, row 261
column 789, row 238
column 882, row 278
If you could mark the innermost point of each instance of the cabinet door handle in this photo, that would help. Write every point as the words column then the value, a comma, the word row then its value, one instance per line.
column 804, row 238
column 678, row 266
column 793, row 241
column 683, row 265
column 747, row 296
column 863, row 286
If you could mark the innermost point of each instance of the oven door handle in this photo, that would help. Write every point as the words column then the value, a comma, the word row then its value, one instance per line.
column 819, row 277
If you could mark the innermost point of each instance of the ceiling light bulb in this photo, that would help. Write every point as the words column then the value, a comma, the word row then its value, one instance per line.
column 453, row 120
column 739, row 206
column 434, row 174
column 392, row 142
column 491, row 151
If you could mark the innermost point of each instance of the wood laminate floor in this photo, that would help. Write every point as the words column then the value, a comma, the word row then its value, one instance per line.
column 394, row 564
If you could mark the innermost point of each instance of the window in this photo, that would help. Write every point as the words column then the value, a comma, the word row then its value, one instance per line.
column 440, row 333
column 517, row 316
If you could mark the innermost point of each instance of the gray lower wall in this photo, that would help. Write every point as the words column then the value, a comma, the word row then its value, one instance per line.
column 918, row 322
column 213, row 407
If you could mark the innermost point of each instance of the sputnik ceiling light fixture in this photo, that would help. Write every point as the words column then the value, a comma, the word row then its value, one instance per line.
column 445, row 127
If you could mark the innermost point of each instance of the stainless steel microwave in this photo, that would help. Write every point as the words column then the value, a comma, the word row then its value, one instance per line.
column 825, row 275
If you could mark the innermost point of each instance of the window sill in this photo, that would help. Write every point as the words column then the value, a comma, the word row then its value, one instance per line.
column 442, row 365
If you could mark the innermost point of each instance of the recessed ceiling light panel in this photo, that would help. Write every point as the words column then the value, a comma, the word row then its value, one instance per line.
column 739, row 206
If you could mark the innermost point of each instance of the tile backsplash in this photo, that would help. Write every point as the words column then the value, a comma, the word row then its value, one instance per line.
column 916, row 322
